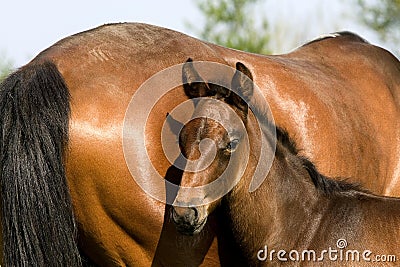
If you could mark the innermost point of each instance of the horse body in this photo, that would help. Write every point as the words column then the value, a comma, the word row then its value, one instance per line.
column 313, row 92
column 120, row 224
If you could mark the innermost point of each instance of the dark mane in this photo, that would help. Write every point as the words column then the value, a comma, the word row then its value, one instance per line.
column 353, row 36
column 324, row 184
column 327, row 185
column 284, row 139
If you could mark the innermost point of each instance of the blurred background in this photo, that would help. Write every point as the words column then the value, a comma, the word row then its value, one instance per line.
column 260, row 26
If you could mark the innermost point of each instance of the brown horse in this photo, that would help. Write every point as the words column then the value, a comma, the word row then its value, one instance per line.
column 64, row 179
column 297, row 216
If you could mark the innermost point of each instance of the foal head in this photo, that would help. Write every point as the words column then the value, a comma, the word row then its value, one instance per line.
column 214, row 143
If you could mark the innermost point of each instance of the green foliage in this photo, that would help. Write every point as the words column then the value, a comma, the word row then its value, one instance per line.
column 383, row 17
column 232, row 23
column 6, row 66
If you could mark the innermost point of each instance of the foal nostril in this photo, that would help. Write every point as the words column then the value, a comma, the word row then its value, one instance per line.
column 196, row 213
column 186, row 214
column 188, row 220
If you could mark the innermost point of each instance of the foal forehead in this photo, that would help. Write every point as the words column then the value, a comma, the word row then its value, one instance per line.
column 216, row 110
column 213, row 111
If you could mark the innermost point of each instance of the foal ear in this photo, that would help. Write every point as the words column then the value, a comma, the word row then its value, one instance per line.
column 242, row 85
column 193, row 84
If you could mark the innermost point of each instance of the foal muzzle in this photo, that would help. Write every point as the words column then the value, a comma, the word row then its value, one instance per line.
column 188, row 220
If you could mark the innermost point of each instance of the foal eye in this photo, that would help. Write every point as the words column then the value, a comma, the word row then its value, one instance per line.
column 232, row 145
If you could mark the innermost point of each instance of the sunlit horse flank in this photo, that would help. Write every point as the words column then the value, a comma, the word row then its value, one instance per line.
column 338, row 99
column 295, row 208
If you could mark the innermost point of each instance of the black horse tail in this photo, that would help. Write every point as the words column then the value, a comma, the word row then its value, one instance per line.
column 36, row 211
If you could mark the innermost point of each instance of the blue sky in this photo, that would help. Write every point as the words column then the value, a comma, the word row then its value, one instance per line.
column 28, row 27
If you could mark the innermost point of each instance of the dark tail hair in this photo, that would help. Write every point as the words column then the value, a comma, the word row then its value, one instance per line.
column 37, row 218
